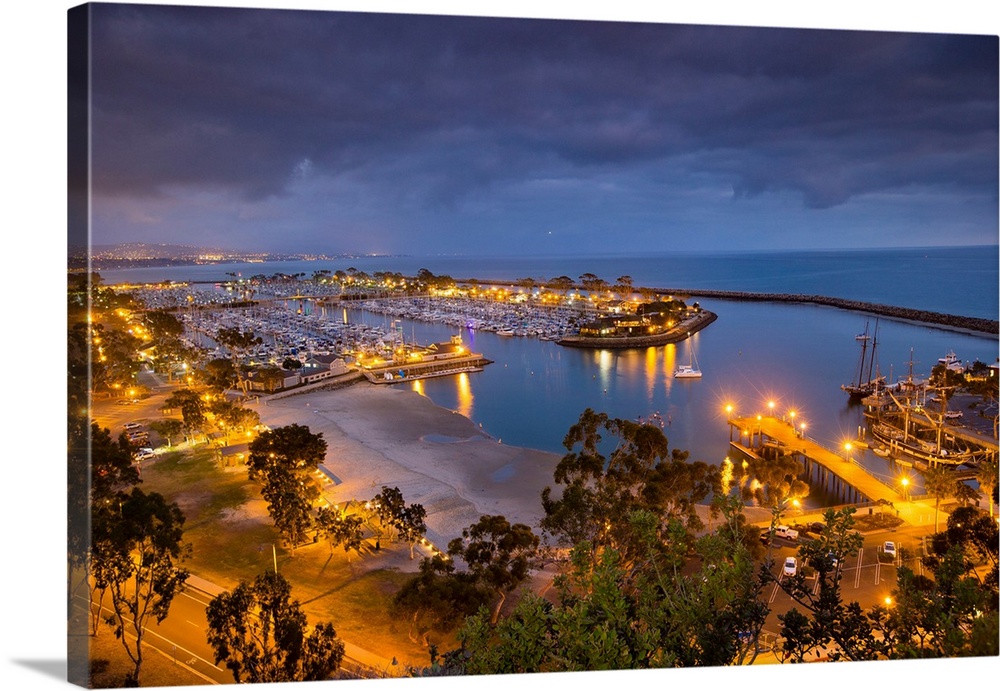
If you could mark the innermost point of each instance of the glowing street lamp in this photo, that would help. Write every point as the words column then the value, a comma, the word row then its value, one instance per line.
column 847, row 451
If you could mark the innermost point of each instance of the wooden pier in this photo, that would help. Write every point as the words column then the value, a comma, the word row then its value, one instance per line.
column 832, row 472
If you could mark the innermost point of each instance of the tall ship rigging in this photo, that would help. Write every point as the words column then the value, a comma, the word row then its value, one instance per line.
column 868, row 380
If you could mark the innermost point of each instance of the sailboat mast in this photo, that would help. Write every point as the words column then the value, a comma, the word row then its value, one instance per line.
column 871, row 362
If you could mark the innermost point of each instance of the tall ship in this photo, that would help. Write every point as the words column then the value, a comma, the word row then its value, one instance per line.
column 867, row 381
column 910, row 422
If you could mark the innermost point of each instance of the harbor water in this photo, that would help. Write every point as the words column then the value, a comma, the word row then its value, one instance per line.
column 795, row 356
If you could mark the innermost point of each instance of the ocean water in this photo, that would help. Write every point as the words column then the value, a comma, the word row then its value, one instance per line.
column 961, row 281
column 796, row 356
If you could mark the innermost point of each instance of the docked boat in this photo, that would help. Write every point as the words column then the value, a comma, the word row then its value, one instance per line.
column 868, row 380
column 951, row 361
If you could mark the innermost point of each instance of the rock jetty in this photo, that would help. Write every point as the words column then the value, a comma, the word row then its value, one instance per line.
column 976, row 324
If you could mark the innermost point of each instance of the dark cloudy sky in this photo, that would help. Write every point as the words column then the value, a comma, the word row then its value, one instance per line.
column 336, row 132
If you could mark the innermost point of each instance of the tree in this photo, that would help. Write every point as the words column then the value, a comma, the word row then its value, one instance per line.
column 283, row 459
column 108, row 467
column 192, row 408
column 977, row 533
column 410, row 526
column 220, row 374
column 163, row 325
column 388, row 506
column 609, row 615
column 986, row 475
column 828, row 619
column 237, row 342
column 271, row 377
column 497, row 553
column 438, row 598
column 624, row 284
column 263, row 636
column 168, row 428
column 340, row 529
column 638, row 472
column 773, row 481
column 137, row 552
column 940, row 483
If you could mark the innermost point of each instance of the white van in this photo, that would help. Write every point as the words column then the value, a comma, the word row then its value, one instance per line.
column 783, row 531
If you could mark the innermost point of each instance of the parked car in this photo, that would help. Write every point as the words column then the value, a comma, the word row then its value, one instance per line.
column 765, row 536
column 791, row 566
column 132, row 425
column 790, row 534
column 889, row 547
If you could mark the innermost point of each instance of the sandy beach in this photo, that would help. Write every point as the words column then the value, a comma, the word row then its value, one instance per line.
column 385, row 436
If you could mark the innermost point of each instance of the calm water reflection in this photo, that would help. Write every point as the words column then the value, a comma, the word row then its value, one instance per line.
column 795, row 356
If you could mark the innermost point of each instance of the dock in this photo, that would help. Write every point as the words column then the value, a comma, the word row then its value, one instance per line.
column 397, row 373
column 831, row 471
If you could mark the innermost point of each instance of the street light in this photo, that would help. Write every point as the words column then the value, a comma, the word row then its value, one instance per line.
column 847, row 451
column 906, row 483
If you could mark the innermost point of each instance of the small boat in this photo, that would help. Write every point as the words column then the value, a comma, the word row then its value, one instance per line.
column 688, row 371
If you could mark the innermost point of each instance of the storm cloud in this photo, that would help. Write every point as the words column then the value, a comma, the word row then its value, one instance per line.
column 331, row 131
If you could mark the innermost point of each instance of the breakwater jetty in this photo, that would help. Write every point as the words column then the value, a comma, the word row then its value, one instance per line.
column 976, row 324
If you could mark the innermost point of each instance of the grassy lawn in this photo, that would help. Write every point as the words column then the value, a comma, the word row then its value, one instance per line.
column 231, row 539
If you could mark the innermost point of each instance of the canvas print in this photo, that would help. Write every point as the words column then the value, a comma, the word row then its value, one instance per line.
column 413, row 345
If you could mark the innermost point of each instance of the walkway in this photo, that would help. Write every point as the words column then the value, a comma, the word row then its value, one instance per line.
column 914, row 512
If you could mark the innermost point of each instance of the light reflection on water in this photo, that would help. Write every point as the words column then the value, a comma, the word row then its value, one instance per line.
column 794, row 355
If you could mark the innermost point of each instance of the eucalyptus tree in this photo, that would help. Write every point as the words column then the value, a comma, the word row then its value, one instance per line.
column 138, row 553
column 262, row 635
column 192, row 407
column 608, row 615
column 498, row 554
column 614, row 467
column 340, row 529
column 282, row 460
column 438, row 598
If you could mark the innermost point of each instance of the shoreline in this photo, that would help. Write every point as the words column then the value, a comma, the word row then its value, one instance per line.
column 378, row 435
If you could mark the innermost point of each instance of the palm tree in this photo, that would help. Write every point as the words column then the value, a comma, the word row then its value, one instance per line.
column 940, row 484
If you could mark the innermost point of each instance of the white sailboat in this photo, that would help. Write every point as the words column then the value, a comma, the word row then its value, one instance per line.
column 690, row 370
